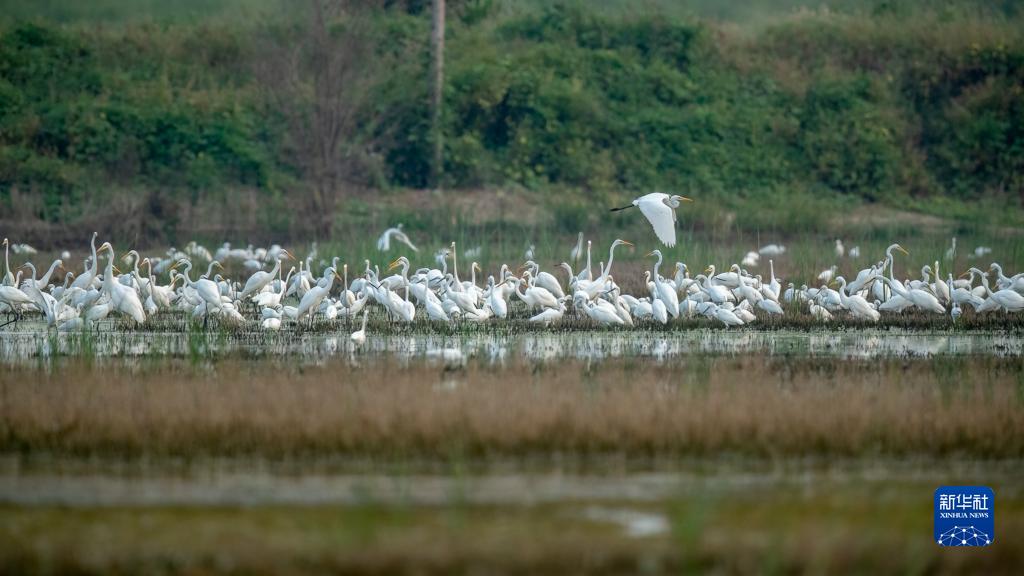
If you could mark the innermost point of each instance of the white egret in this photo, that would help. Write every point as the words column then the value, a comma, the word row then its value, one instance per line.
column 384, row 242
column 664, row 293
column 577, row 250
column 123, row 299
column 549, row 315
column 856, row 304
column 260, row 279
column 86, row 279
column 918, row 297
column 659, row 208
column 359, row 336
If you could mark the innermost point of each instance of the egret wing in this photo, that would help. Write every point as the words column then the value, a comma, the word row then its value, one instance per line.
column 661, row 218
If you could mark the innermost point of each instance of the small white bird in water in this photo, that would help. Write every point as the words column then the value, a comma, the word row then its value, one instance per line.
column 359, row 336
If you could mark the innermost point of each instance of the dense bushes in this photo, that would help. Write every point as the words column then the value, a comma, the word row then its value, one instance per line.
column 877, row 104
column 73, row 117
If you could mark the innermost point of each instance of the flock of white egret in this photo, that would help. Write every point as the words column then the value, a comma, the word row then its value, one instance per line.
column 272, row 297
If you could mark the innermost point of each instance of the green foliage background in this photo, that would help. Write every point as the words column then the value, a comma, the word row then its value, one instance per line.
column 877, row 101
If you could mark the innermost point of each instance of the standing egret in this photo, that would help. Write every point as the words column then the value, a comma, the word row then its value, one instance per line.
column 359, row 336
column 856, row 303
column 663, row 292
column 545, row 280
column 86, row 279
column 261, row 278
column 122, row 298
column 659, row 208
column 311, row 299
column 549, row 315
column 577, row 250
column 1009, row 300
column 921, row 298
column 9, row 279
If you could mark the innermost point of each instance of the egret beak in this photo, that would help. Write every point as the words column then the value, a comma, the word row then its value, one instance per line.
column 288, row 254
column 628, row 243
column 901, row 249
column 218, row 264
column 707, row 270
column 116, row 271
column 393, row 265
column 649, row 254
column 965, row 274
column 685, row 199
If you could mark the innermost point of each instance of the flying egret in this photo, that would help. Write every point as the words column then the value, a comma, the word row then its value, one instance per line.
column 384, row 242
column 659, row 208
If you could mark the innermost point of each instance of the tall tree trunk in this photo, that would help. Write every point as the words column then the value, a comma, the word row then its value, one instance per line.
column 437, row 97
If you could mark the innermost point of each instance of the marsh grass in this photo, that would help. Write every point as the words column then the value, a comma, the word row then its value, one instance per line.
column 745, row 405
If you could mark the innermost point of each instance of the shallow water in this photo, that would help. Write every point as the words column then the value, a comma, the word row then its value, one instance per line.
column 497, row 347
column 252, row 483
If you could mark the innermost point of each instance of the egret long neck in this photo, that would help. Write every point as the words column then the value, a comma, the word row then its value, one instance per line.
column 588, row 261
column 108, row 276
column 46, row 277
column 984, row 282
column 94, row 265
column 898, row 288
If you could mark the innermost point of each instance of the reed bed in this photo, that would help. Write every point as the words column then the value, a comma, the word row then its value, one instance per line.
column 698, row 406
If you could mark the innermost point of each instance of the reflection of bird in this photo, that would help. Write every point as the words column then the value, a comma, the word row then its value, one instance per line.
column 659, row 208
column 384, row 242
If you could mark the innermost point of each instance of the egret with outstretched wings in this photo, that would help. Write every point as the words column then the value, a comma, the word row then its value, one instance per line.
column 659, row 208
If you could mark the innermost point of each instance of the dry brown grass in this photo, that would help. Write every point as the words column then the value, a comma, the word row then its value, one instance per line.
column 698, row 406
